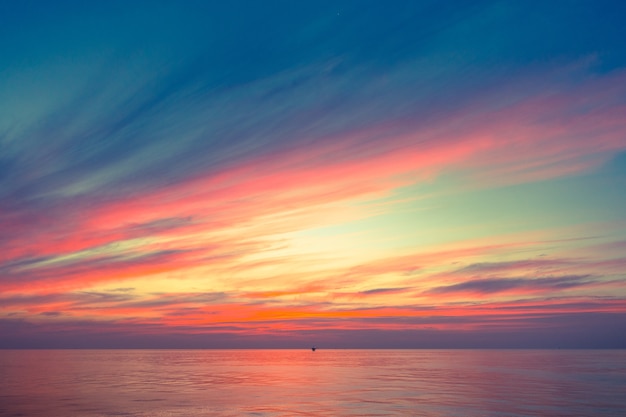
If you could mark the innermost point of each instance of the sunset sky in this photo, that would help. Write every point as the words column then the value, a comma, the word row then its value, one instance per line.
column 286, row 174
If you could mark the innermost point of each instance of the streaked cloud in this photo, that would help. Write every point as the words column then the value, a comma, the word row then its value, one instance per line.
column 288, row 170
column 496, row 285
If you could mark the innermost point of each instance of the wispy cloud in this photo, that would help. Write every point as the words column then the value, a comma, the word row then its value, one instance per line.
column 497, row 285
column 362, row 172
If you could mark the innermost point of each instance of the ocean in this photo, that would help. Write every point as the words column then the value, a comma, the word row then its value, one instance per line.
column 434, row 383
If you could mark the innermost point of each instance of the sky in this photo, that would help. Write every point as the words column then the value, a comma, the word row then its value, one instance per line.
column 280, row 174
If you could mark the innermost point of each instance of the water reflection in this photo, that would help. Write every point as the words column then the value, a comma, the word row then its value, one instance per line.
column 325, row 383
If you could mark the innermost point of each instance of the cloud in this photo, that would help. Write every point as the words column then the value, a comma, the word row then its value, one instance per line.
column 270, row 175
column 383, row 291
column 525, row 264
column 498, row 285
column 319, row 167
column 80, row 272
column 50, row 313
column 572, row 329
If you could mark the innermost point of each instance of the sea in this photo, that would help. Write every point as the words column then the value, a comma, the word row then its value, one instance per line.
column 433, row 383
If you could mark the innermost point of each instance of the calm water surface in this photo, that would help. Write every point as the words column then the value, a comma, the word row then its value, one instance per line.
column 89, row 383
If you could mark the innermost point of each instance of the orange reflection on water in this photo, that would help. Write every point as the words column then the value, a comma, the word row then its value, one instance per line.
column 434, row 383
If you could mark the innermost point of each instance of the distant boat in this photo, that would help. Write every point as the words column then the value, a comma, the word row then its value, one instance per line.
column 313, row 348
